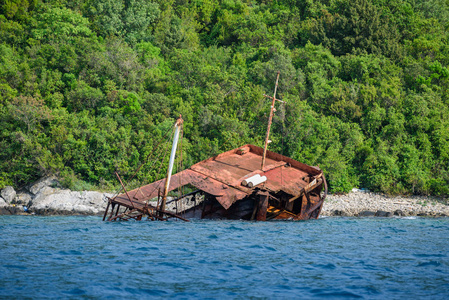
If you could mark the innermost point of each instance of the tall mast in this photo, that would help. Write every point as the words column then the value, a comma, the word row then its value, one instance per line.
column 178, row 126
column 269, row 122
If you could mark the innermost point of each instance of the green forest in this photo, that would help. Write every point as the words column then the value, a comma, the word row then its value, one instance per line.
column 88, row 88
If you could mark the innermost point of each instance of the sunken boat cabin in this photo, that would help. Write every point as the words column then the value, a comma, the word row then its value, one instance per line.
column 231, row 185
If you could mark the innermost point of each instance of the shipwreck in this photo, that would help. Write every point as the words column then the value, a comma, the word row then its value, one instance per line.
column 249, row 183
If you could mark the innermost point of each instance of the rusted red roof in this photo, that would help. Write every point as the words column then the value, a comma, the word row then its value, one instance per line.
column 222, row 176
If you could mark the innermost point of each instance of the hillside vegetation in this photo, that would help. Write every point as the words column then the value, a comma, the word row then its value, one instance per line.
column 90, row 87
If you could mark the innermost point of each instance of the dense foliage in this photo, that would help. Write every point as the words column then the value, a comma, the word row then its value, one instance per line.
column 89, row 87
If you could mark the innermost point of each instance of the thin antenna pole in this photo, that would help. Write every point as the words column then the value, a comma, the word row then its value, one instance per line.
column 269, row 123
column 177, row 126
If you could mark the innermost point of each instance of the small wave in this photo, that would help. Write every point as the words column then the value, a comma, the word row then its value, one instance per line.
column 270, row 248
column 154, row 292
column 245, row 267
column 171, row 265
column 76, row 230
column 70, row 252
column 432, row 263
column 236, row 228
column 147, row 248
column 334, row 294
column 76, row 291
column 429, row 255
column 15, row 267
column 284, row 287
column 256, row 247
column 328, row 266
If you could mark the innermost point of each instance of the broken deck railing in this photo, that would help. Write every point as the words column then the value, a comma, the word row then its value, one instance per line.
column 136, row 210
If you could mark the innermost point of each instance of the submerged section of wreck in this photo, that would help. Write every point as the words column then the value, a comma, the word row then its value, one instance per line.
column 233, row 186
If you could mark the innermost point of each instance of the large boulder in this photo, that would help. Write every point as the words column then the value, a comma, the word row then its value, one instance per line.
column 398, row 212
column 3, row 202
column 8, row 194
column 367, row 213
column 43, row 183
column 381, row 213
column 23, row 198
column 70, row 202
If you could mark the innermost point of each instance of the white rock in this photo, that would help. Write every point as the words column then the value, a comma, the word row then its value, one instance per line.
column 66, row 200
column 3, row 202
column 23, row 198
column 51, row 182
column 8, row 194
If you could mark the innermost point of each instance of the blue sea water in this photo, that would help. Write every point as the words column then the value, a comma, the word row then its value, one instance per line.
column 83, row 257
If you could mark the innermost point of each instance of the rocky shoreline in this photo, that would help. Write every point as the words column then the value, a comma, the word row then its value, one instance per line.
column 46, row 197
column 363, row 203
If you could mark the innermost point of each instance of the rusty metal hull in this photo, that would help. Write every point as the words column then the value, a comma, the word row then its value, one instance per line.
column 292, row 190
